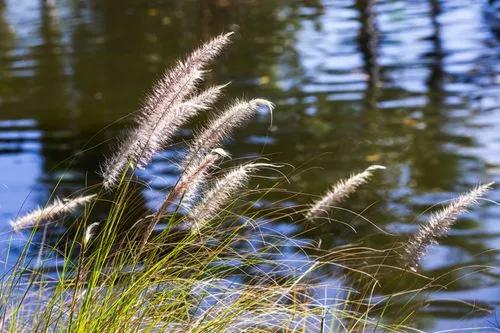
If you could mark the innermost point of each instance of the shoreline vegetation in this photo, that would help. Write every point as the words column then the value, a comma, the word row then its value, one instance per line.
column 206, row 260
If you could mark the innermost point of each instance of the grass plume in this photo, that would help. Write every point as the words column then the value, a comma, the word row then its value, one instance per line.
column 165, row 110
column 192, row 180
column 439, row 224
column 220, row 193
column 56, row 209
column 340, row 192
column 194, row 176
column 223, row 125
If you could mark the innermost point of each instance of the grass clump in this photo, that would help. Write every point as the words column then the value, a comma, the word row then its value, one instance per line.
column 207, row 260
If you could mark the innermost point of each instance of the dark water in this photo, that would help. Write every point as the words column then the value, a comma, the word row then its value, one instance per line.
column 413, row 85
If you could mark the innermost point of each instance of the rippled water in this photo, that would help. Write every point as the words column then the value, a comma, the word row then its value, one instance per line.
column 414, row 85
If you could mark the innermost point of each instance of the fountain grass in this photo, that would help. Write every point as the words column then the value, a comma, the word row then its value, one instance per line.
column 210, row 258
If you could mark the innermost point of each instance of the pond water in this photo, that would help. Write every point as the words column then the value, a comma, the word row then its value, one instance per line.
column 413, row 85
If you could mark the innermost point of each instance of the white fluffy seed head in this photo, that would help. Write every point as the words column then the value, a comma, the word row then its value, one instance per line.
column 439, row 224
column 340, row 192
column 195, row 176
column 148, row 139
column 180, row 81
column 222, row 190
column 165, row 110
column 89, row 232
column 223, row 125
column 56, row 209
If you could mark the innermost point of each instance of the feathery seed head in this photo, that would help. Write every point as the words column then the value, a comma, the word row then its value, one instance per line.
column 146, row 140
column 180, row 81
column 89, row 232
column 222, row 126
column 439, row 224
column 375, row 167
column 56, row 209
column 220, row 193
column 165, row 110
column 195, row 175
column 221, row 152
column 340, row 192
column 263, row 103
